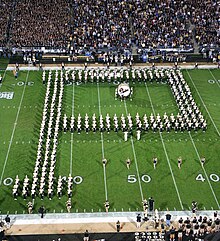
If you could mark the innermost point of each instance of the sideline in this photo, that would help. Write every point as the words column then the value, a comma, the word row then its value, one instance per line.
column 101, row 66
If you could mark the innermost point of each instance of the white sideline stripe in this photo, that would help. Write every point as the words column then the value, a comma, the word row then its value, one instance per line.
column 103, row 152
column 12, row 135
column 135, row 159
column 214, row 78
column 204, row 104
column 165, row 151
column 188, row 66
column 75, row 220
column 204, row 171
column 71, row 143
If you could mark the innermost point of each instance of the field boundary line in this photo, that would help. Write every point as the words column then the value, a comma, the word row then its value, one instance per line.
column 71, row 141
column 165, row 151
column 13, row 131
column 214, row 78
column 103, row 150
column 135, row 157
column 204, row 104
column 210, row 185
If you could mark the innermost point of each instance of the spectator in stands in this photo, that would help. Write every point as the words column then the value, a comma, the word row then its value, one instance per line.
column 41, row 23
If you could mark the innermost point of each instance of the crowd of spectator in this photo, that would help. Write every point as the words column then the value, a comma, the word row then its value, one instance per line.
column 110, row 24
column 101, row 24
column 161, row 24
column 5, row 13
column 205, row 17
column 41, row 23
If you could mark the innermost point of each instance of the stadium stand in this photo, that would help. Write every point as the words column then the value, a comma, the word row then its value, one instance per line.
column 41, row 23
column 82, row 27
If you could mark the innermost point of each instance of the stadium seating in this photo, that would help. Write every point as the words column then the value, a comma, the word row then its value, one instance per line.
column 86, row 26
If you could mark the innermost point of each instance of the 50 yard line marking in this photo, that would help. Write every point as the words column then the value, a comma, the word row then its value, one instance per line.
column 204, row 170
column 71, row 141
column 103, row 152
column 165, row 151
column 204, row 104
column 135, row 159
column 13, row 131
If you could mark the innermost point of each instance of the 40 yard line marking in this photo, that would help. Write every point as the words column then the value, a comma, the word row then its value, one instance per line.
column 204, row 170
column 71, row 142
column 135, row 158
column 103, row 152
column 13, row 131
column 165, row 151
column 204, row 104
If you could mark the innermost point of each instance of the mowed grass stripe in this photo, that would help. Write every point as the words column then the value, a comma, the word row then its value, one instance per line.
column 102, row 142
column 135, row 158
column 204, row 171
column 71, row 149
column 13, row 131
column 204, row 105
column 165, row 151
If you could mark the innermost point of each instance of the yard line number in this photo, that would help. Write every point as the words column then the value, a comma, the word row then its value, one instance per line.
column 144, row 178
column 212, row 81
column 213, row 177
column 22, row 83
column 77, row 180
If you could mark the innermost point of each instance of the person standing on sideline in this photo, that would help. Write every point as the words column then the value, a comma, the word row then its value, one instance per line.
column 138, row 220
column 203, row 161
column 86, row 236
column 155, row 162
column 41, row 210
column 118, row 226
column 8, row 222
column 128, row 163
column 168, row 218
column 180, row 162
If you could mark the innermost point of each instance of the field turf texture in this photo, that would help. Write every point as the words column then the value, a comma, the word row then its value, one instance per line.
column 81, row 155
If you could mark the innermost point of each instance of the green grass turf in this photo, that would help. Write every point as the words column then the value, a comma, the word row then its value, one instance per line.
column 3, row 63
column 18, row 157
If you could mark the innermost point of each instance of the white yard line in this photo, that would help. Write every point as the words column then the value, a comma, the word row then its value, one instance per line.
column 165, row 151
column 214, row 78
column 204, row 171
column 135, row 159
column 103, row 152
column 13, row 131
column 204, row 104
column 71, row 141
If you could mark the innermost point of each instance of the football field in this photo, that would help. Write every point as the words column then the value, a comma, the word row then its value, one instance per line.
column 81, row 154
